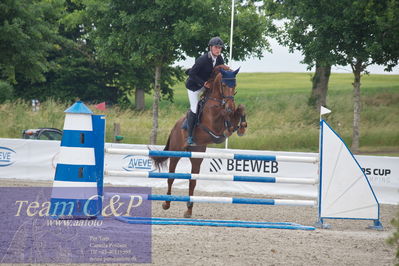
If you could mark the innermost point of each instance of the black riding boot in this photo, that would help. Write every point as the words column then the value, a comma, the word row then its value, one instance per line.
column 191, row 120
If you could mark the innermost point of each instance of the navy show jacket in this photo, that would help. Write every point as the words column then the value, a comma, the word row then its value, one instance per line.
column 201, row 71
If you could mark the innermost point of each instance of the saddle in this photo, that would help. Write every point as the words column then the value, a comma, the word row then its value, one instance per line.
column 200, row 108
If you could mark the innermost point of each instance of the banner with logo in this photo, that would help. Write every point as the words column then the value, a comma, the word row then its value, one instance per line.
column 28, row 159
column 36, row 160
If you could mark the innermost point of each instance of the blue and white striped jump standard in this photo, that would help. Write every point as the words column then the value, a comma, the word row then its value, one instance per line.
column 201, row 199
column 218, row 223
column 221, row 155
column 214, row 177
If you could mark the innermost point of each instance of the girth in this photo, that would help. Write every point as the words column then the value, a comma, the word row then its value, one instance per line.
column 215, row 138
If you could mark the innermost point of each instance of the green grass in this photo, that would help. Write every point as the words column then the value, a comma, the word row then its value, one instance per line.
column 277, row 113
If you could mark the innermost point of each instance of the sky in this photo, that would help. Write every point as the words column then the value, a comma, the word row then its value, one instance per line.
column 280, row 60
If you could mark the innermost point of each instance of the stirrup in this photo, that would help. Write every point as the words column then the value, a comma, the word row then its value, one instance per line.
column 190, row 141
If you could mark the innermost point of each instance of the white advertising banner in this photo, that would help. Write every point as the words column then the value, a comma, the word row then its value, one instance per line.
column 28, row 159
column 36, row 160
column 383, row 174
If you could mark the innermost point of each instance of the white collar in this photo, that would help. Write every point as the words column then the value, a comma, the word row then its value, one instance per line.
column 212, row 56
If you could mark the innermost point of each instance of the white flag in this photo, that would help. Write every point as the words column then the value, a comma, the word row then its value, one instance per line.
column 324, row 110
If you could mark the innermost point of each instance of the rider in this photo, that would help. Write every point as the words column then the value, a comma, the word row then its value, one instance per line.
column 197, row 80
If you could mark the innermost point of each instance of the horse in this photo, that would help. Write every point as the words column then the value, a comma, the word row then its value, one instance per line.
column 219, row 119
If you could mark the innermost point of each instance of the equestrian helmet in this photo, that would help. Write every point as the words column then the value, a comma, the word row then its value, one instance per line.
column 216, row 41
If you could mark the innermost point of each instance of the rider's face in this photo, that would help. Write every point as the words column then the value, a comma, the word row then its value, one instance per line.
column 216, row 50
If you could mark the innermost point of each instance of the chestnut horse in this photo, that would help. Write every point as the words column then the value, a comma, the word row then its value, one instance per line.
column 219, row 119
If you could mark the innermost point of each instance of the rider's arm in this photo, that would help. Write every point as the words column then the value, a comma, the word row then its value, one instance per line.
column 195, row 70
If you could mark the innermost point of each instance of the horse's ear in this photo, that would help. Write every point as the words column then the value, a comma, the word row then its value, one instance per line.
column 236, row 71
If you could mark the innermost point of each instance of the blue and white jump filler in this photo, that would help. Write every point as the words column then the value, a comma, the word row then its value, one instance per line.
column 78, row 177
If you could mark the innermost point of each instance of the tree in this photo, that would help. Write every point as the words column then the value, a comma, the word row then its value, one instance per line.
column 74, row 76
column 74, row 72
column 320, row 81
column 28, row 32
column 372, row 38
column 155, row 34
column 138, row 36
column 6, row 91
column 212, row 18
column 298, row 32
column 356, row 33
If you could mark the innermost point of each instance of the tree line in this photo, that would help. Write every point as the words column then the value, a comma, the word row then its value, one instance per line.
column 109, row 50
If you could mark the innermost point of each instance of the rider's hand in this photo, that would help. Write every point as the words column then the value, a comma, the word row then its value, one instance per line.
column 207, row 84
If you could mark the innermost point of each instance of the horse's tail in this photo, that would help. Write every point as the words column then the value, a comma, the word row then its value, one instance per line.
column 159, row 162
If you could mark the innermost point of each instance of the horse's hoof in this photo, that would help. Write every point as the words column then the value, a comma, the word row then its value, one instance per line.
column 165, row 206
column 226, row 133
column 241, row 132
column 187, row 214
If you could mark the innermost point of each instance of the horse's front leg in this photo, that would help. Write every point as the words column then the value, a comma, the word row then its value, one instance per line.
column 241, row 120
column 228, row 119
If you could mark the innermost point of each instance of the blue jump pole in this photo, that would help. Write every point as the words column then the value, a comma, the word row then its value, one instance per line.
column 219, row 155
column 214, row 177
column 230, row 200
column 217, row 223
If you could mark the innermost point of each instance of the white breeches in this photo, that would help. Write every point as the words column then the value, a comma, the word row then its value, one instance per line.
column 193, row 97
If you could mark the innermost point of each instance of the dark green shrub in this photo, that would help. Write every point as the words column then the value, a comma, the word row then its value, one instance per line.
column 6, row 91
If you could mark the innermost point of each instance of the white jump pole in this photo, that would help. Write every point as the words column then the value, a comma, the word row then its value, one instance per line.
column 212, row 155
column 319, row 224
column 226, row 143
column 214, row 177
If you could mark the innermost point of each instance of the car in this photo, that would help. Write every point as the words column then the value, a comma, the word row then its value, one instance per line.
column 42, row 134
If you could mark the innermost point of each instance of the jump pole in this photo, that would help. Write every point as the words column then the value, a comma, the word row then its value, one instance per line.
column 217, row 223
column 228, row 200
column 213, row 177
column 209, row 155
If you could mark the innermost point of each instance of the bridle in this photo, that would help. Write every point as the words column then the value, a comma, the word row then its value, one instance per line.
column 222, row 81
column 225, row 98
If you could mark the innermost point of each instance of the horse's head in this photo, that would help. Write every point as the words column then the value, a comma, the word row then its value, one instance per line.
column 226, row 83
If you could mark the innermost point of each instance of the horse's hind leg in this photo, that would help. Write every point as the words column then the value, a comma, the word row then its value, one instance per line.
column 195, row 169
column 172, row 167
column 166, row 204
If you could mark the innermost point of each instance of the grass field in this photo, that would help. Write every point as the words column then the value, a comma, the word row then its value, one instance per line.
column 278, row 115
